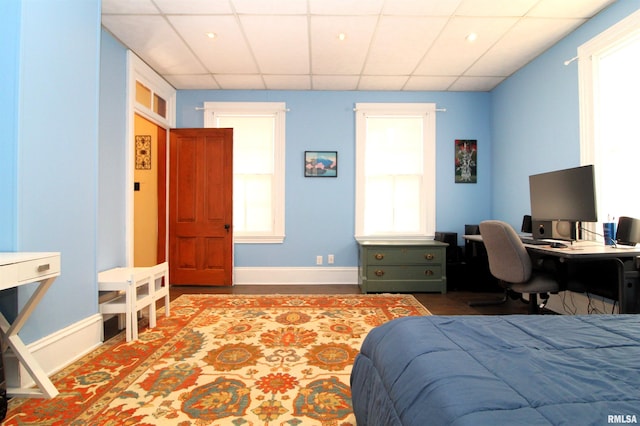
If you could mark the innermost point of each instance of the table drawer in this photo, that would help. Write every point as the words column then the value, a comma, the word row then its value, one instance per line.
column 8, row 276
column 406, row 255
column 33, row 270
column 421, row 273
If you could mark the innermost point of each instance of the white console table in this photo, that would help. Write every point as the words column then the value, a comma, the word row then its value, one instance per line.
column 18, row 269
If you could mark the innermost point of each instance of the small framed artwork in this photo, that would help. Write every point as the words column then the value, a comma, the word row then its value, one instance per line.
column 320, row 163
column 143, row 152
column 466, row 161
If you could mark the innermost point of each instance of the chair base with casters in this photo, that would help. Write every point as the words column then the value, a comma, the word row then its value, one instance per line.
column 510, row 263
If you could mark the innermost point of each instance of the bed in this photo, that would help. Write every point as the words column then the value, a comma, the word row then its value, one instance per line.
column 499, row 370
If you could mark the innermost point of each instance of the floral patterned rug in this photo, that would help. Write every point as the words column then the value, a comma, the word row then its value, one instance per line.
column 223, row 360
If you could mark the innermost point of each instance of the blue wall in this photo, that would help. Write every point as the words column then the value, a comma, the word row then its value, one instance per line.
column 536, row 123
column 113, row 147
column 320, row 212
column 9, row 65
column 55, row 143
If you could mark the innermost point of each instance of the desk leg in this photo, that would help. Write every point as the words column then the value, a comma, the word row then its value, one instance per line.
column 10, row 331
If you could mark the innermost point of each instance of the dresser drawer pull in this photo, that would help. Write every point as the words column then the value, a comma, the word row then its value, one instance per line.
column 428, row 272
column 379, row 256
column 45, row 267
column 429, row 256
column 379, row 272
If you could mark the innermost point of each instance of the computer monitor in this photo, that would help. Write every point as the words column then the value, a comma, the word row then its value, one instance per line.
column 566, row 195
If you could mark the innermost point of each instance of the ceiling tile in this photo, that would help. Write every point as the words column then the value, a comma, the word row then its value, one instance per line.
column 330, row 55
column 335, row 82
column 280, row 44
column 484, row 84
column 269, row 7
column 382, row 82
column 345, row 7
column 521, row 45
column 400, row 43
column 240, row 82
column 227, row 53
column 155, row 42
column 288, row 82
column 569, row 8
column 191, row 7
column 452, row 54
column 420, row 8
column 495, row 8
column 128, row 6
column 192, row 81
column 429, row 83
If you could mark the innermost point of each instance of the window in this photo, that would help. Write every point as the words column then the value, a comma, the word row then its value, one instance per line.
column 395, row 170
column 609, row 66
column 258, row 166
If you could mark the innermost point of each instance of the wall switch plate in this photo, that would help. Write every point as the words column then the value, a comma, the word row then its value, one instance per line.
column 318, row 260
column 330, row 259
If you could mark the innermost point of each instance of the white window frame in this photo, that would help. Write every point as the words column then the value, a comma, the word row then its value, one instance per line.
column 278, row 110
column 428, row 197
column 588, row 63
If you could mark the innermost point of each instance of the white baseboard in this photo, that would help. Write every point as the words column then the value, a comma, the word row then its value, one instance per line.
column 295, row 276
column 56, row 351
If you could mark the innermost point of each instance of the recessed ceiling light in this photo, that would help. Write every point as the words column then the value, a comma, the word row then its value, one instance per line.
column 471, row 37
column 342, row 36
column 211, row 35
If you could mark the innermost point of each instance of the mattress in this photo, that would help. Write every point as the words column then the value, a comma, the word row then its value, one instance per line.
column 498, row 370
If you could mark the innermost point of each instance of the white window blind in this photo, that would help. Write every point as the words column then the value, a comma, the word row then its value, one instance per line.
column 258, row 167
column 395, row 184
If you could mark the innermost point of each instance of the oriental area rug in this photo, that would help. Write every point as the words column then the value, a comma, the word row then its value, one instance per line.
column 223, row 360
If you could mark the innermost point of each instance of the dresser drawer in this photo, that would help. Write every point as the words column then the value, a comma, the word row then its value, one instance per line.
column 404, row 255
column 34, row 270
column 398, row 272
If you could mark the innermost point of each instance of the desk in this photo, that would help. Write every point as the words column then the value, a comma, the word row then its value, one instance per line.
column 18, row 269
column 623, row 261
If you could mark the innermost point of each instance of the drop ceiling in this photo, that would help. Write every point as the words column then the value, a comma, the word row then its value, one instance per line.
column 342, row 44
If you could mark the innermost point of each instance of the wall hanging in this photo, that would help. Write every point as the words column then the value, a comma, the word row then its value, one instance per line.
column 466, row 161
column 320, row 163
column 143, row 152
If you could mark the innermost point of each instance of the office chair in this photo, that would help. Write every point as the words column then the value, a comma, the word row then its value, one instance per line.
column 510, row 263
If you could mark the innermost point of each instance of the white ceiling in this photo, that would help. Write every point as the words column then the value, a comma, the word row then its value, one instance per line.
column 388, row 44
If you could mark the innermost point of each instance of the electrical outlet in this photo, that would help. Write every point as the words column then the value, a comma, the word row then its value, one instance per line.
column 318, row 260
column 330, row 259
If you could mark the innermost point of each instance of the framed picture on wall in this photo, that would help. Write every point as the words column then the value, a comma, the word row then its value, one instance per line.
column 143, row 152
column 466, row 161
column 320, row 163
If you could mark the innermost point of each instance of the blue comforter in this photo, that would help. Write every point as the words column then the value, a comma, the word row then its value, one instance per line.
column 500, row 370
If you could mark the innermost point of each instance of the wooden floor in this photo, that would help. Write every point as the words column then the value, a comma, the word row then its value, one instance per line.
column 452, row 303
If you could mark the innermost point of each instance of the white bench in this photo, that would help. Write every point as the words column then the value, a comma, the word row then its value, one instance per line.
column 131, row 290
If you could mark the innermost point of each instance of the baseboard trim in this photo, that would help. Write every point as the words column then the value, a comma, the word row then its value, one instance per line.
column 56, row 351
column 295, row 276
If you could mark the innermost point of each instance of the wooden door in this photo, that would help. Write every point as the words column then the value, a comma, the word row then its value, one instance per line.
column 200, row 207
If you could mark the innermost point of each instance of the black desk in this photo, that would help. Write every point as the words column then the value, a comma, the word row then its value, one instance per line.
column 620, row 264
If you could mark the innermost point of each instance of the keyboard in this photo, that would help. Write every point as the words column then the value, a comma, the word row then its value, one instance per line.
column 533, row 241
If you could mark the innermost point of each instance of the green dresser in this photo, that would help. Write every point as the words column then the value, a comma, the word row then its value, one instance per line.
column 396, row 266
